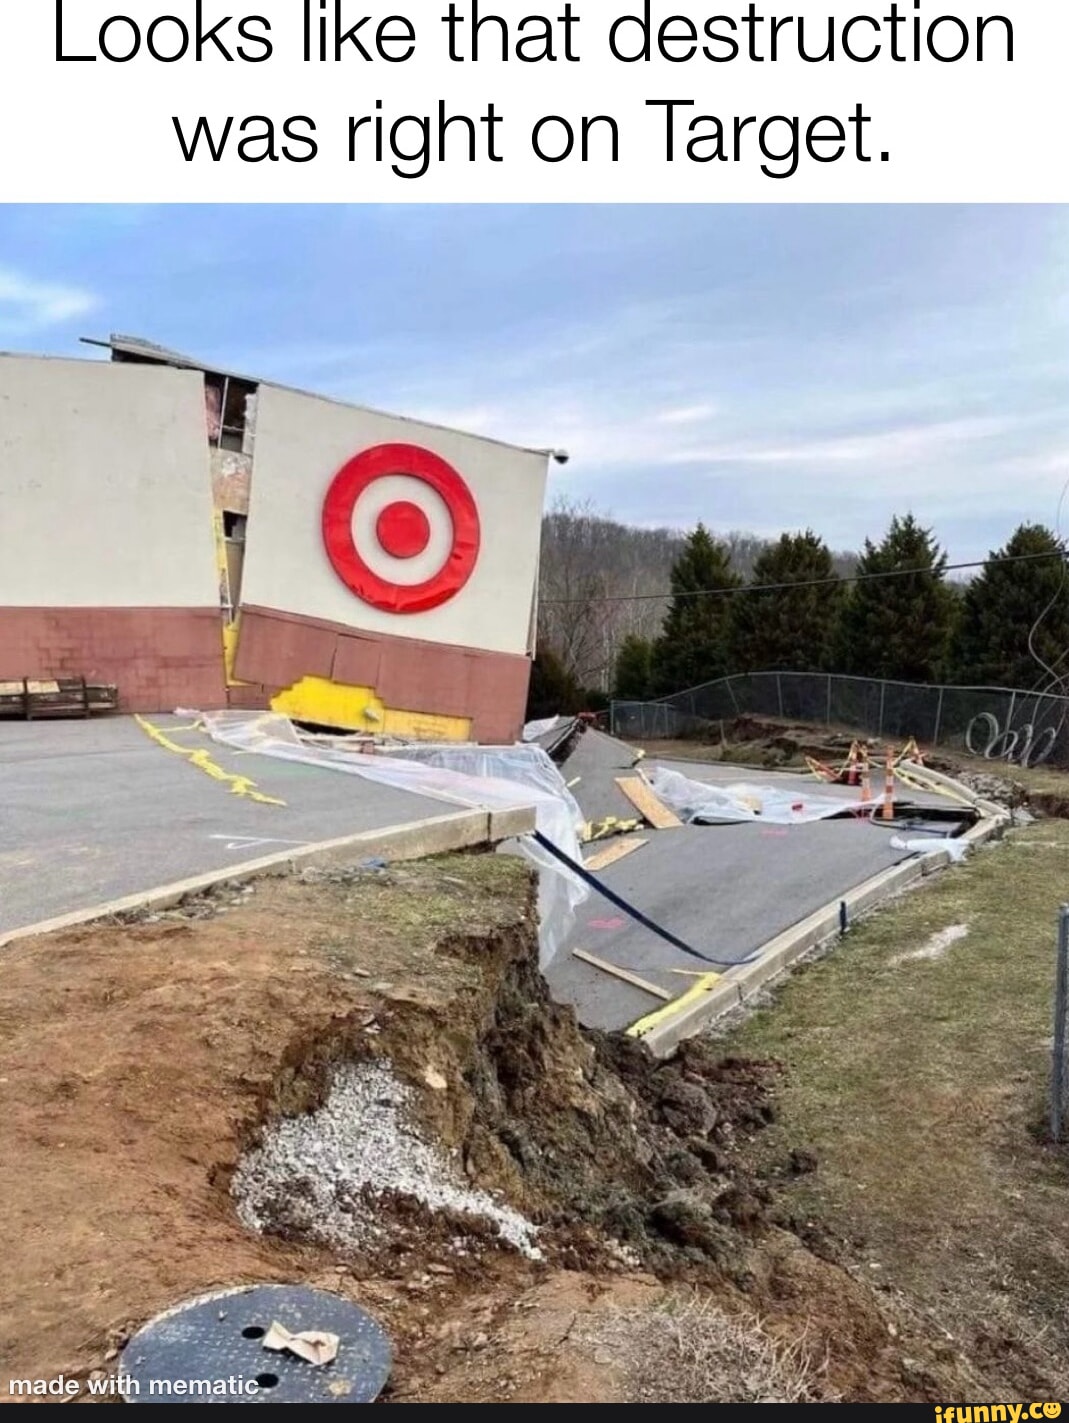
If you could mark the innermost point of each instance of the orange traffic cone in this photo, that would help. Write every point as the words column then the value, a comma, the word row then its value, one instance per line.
column 887, row 810
column 851, row 765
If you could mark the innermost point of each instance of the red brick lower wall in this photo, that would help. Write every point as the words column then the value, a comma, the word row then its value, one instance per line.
column 163, row 658
column 159, row 658
column 276, row 649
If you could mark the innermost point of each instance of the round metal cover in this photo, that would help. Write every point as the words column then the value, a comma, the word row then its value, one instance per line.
column 210, row 1350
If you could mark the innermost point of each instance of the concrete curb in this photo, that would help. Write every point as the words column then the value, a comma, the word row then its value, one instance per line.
column 435, row 835
column 776, row 957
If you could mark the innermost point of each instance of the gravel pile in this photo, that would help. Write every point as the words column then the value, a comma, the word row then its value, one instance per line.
column 333, row 1165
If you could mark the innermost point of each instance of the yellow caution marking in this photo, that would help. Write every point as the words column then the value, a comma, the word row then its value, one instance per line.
column 916, row 778
column 200, row 757
column 610, row 825
column 910, row 752
column 704, row 985
column 820, row 770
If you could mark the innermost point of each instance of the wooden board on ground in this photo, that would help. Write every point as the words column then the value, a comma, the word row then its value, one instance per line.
column 644, row 801
column 653, row 989
column 612, row 853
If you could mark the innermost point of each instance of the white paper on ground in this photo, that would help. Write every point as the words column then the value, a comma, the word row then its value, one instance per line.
column 314, row 1346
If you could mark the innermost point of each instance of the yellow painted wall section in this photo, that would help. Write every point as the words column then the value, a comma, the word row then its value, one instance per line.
column 326, row 703
column 427, row 726
column 230, row 651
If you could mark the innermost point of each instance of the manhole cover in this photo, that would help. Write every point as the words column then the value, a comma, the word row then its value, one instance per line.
column 210, row 1351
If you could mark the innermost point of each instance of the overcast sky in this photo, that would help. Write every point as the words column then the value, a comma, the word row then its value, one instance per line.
column 760, row 368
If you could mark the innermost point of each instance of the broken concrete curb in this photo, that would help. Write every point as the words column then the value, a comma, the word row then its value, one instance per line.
column 435, row 835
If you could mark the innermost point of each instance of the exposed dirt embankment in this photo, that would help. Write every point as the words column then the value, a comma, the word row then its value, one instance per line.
column 139, row 1061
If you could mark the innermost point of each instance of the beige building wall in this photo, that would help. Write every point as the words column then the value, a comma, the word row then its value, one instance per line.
column 105, row 488
column 301, row 444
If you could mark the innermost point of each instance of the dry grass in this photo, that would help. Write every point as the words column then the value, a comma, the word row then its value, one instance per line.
column 920, row 1082
column 690, row 1351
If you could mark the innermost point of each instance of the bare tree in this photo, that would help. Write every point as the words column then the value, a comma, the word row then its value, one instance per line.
column 592, row 569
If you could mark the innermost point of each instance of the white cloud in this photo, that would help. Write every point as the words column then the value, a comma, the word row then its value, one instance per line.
column 27, row 305
column 891, row 447
column 686, row 415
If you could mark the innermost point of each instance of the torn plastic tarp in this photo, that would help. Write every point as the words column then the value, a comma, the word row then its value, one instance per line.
column 534, row 730
column 494, row 778
column 741, row 802
column 551, row 732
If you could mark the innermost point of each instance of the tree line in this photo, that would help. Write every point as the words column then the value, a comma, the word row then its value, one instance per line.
column 802, row 611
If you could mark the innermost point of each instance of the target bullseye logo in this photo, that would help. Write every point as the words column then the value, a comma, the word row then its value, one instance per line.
column 401, row 528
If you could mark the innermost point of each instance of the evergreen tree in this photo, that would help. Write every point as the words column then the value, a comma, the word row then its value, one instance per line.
column 552, row 691
column 1000, row 609
column 787, row 629
column 898, row 627
column 632, row 679
column 692, row 647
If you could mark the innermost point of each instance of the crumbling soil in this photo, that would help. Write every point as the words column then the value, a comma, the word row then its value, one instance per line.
column 139, row 1060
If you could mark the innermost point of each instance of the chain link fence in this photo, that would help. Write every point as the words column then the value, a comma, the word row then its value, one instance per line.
column 1026, row 728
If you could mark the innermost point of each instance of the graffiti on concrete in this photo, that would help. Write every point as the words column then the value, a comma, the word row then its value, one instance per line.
column 1021, row 747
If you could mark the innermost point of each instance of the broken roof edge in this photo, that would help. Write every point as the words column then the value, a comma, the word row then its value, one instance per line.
column 150, row 352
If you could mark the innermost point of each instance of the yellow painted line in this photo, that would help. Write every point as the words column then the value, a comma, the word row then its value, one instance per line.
column 201, row 758
column 704, row 985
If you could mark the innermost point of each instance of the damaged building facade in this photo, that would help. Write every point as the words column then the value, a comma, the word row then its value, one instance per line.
column 205, row 540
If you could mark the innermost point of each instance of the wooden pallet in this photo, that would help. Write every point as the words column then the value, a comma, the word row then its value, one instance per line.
column 33, row 698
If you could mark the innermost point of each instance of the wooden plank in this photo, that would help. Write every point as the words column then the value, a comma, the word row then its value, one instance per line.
column 646, row 803
column 612, row 853
column 628, row 977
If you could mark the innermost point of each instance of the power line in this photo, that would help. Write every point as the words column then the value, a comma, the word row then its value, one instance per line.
column 800, row 583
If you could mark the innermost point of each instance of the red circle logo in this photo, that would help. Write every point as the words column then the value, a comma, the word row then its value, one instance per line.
column 402, row 529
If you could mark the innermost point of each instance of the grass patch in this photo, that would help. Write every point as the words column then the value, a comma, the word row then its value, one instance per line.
column 392, row 923
column 920, row 1082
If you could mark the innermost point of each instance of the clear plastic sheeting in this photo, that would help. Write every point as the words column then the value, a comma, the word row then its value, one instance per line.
column 478, row 777
column 535, row 730
column 557, row 814
column 956, row 849
column 741, row 802
column 550, row 733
